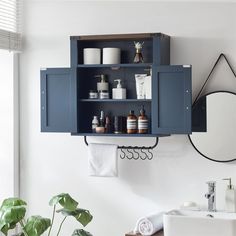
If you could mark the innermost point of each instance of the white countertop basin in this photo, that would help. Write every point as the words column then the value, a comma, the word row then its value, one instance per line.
column 199, row 223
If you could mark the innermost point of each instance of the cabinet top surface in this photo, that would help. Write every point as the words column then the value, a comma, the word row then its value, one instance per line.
column 118, row 36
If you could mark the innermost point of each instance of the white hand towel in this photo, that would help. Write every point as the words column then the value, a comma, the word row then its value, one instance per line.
column 102, row 160
column 149, row 225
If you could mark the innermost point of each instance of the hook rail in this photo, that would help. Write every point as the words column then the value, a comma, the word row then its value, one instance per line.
column 134, row 152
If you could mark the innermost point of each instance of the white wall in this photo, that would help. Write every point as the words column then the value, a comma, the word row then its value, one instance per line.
column 54, row 163
column 6, row 125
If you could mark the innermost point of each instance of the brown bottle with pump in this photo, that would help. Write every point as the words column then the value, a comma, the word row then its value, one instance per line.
column 131, row 123
column 142, row 122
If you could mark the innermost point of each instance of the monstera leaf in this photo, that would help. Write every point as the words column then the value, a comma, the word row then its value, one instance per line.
column 9, row 202
column 81, row 215
column 5, row 227
column 81, row 232
column 65, row 200
column 36, row 225
column 10, row 216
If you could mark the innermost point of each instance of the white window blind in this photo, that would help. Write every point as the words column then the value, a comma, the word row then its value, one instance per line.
column 10, row 25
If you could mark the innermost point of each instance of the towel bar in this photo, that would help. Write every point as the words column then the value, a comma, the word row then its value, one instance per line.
column 134, row 149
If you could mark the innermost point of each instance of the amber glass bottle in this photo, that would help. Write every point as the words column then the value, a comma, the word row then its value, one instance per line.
column 142, row 122
column 131, row 123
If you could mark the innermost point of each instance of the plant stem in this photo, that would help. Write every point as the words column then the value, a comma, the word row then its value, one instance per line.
column 61, row 225
column 53, row 216
column 22, row 226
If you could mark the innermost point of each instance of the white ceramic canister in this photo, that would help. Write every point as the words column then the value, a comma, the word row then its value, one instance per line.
column 92, row 56
column 111, row 56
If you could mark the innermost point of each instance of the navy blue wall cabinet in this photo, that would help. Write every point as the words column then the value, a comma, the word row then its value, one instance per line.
column 56, row 100
column 64, row 92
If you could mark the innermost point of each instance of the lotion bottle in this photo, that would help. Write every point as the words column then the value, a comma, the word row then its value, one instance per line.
column 230, row 197
column 118, row 92
column 102, row 85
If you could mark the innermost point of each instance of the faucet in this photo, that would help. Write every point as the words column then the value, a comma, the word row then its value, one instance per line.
column 211, row 195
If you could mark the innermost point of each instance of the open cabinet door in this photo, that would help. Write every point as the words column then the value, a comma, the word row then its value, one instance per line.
column 172, row 100
column 57, row 100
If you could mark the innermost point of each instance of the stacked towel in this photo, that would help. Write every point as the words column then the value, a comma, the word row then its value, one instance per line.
column 102, row 160
column 150, row 224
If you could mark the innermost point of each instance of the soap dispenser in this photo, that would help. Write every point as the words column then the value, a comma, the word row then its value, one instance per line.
column 230, row 197
column 118, row 92
column 102, row 85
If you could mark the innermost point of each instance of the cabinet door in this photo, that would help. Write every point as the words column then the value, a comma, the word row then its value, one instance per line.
column 57, row 100
column 172, row 100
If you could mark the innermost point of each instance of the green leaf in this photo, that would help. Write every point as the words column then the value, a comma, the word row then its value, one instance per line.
column 10, row 216
column 65, row 200
column 7, row 227
column 37, row 225
column 13, row 214
column 81, row 232
column 81, row 215
column 12, row 202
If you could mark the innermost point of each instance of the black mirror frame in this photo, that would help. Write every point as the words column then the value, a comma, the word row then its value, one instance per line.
column 203, row 97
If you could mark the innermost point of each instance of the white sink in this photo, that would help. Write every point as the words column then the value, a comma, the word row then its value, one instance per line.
column 199, row 223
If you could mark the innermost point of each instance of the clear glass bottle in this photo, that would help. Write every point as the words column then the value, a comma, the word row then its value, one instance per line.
column 102, row 119
column 95, row 123
column 131, row 123
column 142, row 122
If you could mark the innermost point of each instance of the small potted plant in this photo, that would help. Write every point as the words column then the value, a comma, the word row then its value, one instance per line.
column 13, row 210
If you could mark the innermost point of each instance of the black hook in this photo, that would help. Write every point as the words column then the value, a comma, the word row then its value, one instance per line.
column 138, row 155
column 146, row 156
column 132, row 155
column 150, row 158
column 122, row 156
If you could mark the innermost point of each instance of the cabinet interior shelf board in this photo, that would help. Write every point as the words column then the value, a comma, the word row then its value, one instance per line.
column 119, row 135
column 114, row 66
column 115, row 100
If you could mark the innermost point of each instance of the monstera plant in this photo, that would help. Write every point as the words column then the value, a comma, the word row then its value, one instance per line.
column 13, row 210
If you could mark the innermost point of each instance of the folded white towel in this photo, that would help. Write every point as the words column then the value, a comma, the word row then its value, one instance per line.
column 102, row 160
column 149, row 225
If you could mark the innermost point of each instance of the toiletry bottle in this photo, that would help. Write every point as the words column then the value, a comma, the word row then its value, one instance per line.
column 230, row 197
column 131, row 123
column 95, row 123
column 102, row 85
column 108, row 125
column 102, row 119
column 101, row 128
column 118, row 92
column 142, row 122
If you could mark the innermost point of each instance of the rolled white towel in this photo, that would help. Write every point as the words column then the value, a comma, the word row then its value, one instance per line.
column 149, row 225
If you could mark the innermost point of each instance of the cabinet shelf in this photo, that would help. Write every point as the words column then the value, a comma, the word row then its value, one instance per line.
column 116, row 100
column 119, row 135
column 127, row 65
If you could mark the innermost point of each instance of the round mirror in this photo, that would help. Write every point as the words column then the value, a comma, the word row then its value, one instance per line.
column 214, row 126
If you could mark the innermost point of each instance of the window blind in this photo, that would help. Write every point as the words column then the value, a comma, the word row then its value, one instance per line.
column 10, row 25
